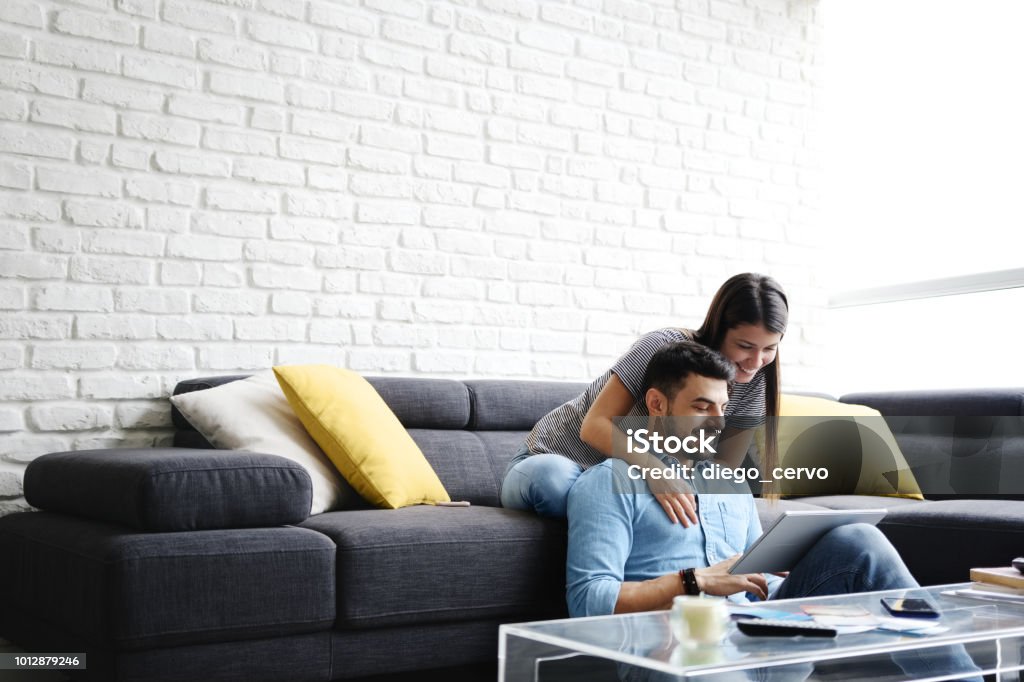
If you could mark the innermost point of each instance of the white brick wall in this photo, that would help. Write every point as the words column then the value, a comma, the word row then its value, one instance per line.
column 467, row 188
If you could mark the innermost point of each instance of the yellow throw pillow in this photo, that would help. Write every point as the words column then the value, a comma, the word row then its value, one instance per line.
column 852, row 441
column 361, row 435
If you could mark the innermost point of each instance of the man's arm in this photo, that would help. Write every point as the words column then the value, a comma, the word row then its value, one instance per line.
column 649, row 595
column 600, row 513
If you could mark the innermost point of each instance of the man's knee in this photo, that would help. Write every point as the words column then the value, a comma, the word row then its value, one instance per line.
column 863, row 544
column 858, row 535
column 858, row 543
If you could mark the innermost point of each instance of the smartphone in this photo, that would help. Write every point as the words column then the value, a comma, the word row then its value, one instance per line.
column 910, row 608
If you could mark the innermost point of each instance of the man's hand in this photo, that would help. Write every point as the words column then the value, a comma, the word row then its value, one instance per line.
column 676, row 498
column 716, row 580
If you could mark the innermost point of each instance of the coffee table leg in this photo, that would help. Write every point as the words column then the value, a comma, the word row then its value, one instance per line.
column 520, row 659
column 1010, row 655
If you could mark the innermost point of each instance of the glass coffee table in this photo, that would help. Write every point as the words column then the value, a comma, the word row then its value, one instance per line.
column 983, row 638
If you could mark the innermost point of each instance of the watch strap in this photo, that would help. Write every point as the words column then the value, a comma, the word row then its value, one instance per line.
column 689, row 581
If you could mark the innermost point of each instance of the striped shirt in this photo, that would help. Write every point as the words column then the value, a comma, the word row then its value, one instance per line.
column 558, row 432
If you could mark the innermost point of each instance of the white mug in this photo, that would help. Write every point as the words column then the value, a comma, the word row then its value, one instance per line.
column 701, row 620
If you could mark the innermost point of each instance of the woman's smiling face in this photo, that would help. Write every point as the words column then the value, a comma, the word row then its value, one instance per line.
column 750, row 347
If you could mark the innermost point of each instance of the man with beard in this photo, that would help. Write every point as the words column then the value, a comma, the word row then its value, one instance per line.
column 625, row 557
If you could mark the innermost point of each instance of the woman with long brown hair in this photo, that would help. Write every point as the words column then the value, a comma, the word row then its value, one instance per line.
column 745, row 323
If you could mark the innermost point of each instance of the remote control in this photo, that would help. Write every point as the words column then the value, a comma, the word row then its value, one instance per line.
column 770, row 627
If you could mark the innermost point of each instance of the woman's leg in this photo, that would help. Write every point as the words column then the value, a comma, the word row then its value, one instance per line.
column 539, row 483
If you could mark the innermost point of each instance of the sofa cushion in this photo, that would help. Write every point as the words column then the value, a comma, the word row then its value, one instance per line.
column 130, row 590
column 171, row 489
column 460, row 460
column 503, row 405
column 941, row 541
column 361, row 435
column 500, row 447
column 423, row 403
column 429, row 564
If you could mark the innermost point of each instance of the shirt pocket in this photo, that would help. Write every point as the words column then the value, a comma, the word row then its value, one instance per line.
column 734, row 526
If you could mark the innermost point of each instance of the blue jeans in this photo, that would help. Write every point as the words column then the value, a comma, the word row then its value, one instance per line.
column 539, row 483
column 849, row 559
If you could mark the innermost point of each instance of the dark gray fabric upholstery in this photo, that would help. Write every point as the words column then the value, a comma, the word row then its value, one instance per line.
column 500, row 446
column 516, row 405
column 428, row 564
column 414, row 647
column 191, row 439
column 115, row 587
column 460, row 461
column 162, row 489
column 296, row 658
column 303, row 657
column 941, row 541
column 425, row 403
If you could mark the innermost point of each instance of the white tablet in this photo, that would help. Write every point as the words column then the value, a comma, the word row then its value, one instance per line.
column 787, row 540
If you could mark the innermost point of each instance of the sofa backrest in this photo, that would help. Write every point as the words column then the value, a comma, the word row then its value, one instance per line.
column 468, row 430
column 967, row 442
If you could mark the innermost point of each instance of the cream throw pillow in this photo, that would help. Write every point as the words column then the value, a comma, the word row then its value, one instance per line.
column 253, row 414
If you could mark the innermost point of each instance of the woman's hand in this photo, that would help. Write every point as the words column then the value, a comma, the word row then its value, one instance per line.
column 676, row 498
column 716, row 580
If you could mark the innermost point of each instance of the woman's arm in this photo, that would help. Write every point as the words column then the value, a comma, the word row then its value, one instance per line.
column 598, row 431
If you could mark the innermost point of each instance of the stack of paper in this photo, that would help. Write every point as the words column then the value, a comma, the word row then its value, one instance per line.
column 851, row 619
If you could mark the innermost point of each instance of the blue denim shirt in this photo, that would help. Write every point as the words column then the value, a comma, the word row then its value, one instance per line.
column 619, row 533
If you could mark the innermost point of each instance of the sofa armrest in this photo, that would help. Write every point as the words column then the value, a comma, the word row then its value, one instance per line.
column 171, row 489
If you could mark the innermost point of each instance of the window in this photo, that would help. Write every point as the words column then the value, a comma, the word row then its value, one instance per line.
column 924, row 158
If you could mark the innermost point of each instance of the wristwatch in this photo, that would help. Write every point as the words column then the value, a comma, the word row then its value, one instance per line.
column 689, row 581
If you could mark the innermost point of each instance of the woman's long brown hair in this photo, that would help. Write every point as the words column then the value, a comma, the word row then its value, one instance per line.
column 751, row 298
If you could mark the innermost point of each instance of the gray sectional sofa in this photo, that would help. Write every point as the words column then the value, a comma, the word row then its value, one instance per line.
column 182, row 563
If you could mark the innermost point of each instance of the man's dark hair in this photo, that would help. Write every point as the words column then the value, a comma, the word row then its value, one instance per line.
column 670, row 365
